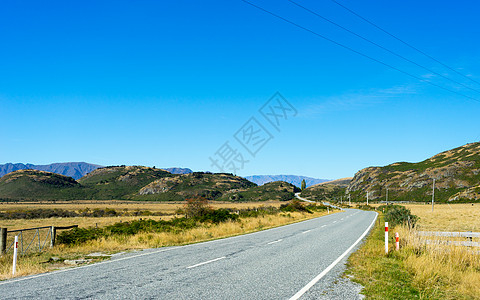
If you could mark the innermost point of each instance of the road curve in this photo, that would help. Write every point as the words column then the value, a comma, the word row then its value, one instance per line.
column 297, row 261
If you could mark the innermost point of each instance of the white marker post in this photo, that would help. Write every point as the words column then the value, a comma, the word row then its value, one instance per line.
column 386, row 237
column 15, row 250
column 397, row 241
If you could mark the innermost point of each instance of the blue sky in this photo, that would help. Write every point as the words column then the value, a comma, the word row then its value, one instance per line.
column 168, row 83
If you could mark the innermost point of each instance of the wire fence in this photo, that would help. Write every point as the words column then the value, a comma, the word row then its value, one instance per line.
column 30, row 239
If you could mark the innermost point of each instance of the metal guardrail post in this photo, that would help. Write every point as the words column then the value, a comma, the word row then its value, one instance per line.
column 3, row 241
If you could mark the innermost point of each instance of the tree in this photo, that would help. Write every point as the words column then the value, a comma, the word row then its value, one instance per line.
column 303, row 185
column 196, row 207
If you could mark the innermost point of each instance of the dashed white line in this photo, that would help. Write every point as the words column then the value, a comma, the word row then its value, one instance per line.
column 277, row 241
column 206, row 262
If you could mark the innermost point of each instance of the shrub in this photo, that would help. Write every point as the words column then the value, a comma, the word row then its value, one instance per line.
column 79, row 235
column 197, row 207
column 399, row 215
column 294, row 205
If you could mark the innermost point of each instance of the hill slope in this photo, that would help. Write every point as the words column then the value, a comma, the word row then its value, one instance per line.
column 292, row 179
column 39, row 185
column 456, row 173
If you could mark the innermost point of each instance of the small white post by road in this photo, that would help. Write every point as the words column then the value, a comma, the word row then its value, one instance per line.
column 397, row 241
column 15, row 250
column 386, row 237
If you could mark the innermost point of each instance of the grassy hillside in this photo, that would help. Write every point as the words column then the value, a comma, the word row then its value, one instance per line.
column 40, row 185
column 277, row 190
column 119, row 182
column 325, row 191
column 456, row 173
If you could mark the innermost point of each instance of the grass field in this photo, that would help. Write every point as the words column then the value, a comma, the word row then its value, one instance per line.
column 42, row 262
column 447, row 217
column 420, row 270
column 167, row 208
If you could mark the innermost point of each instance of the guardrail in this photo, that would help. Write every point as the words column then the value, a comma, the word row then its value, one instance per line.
column 30, row 238
column 469, row 235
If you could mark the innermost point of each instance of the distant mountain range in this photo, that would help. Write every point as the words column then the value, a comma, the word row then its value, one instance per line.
column 76, row 170
column 293, row 179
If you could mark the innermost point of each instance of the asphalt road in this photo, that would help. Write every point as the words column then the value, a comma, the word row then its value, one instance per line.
column 301, row 260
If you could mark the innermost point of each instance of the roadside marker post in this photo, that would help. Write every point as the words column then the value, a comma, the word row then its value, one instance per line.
column 386, row 237
column 15, row 250
column 397, row 241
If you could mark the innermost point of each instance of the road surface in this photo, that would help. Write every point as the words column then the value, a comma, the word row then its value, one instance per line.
column 297, row 261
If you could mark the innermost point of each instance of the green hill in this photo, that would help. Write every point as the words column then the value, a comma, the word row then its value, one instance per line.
column 456, row 173
column 39, row 185
column 121, row 182
column 277, row 190
column 327, row 191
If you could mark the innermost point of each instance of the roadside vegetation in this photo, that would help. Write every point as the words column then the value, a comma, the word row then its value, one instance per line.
column 419, row 270
column 197, row 221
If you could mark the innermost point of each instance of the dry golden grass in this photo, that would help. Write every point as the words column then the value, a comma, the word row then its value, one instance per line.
column 80, row 221
column 447, row 217
column 167, row 207
column 454, row 271
column 33, row 264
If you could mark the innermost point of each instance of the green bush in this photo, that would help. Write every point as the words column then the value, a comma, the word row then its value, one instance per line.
column 399, row 215
column 79, row 235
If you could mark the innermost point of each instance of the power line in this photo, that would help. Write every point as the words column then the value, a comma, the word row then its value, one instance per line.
column 381, row 47
column 357, row 52
column 404, row 42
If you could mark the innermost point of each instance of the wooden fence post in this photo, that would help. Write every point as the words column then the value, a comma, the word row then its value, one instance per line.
column 53, row 234
column 3, row 241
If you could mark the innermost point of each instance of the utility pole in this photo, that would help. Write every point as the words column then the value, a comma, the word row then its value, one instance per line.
column 433, row 193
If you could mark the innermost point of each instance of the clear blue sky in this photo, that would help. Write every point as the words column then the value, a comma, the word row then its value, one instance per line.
column 168, row 83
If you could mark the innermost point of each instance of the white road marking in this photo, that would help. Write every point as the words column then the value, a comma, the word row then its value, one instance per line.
column 277, row 241
column 206, row 262
column 307, row 231
column 332, row 265
column 87, row 266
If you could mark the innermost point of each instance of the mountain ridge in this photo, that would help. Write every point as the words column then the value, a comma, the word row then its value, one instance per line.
column 292, row 179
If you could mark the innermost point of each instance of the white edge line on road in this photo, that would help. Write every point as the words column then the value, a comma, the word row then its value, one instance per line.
column 277, row 241
column 206, row 262
column 154, row 252
column 83, row 267
column 330, row 267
